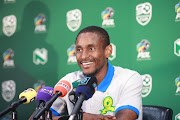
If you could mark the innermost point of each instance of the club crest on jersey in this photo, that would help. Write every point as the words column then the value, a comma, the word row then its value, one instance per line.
column 107, row 103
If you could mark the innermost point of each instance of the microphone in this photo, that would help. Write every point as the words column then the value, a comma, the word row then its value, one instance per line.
column 85, row 90
column 43, row 95
column 60, row 90
column 25, row 97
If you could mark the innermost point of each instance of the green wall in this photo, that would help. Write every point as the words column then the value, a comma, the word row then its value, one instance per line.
column 52, row 36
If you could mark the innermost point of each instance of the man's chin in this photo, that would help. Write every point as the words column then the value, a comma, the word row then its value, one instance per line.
column 88, row 73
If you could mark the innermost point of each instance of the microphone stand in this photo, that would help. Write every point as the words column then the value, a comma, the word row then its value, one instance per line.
column 49, row 115
column 14, row 114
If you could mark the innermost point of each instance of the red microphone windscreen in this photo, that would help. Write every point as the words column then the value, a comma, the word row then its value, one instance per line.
column 63, row 86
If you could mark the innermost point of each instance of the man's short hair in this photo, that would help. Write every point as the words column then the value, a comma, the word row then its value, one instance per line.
column 100, row 31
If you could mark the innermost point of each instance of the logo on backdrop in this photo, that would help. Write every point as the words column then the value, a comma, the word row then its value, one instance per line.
column 71, row 52
column 113, row 55
column 177, row 117
column 9, row 1
column 107, row 15
column 74, row 18
column 9, row 25
column 143, row 13
column 8, row 90
column 40, row 56
column 142, row 48
column 177, row 47
column 177, row 10
column 177, row 83
column 39, row 21
column 147, row 85
column 8, row 58
column 38, row 85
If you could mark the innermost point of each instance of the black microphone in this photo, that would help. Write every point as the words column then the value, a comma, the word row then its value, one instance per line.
column 60, row 90
column 25, row 97
column 85, row 90
column 43, row 95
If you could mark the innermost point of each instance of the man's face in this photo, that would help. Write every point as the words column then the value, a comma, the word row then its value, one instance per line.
column 90, row 53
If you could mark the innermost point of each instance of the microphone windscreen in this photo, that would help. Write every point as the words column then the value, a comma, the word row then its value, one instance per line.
column 44, row 94
column 30, row 94
column 87, row 87
column 63, row 86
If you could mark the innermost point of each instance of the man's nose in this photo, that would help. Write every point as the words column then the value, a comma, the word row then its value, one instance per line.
column 84, row 54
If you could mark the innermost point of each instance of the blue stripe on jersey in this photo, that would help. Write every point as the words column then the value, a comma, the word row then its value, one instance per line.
column 54, row 112
column 128, row 107
column 107, row 79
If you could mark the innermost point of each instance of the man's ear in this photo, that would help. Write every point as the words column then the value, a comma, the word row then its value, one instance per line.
column 108, row 51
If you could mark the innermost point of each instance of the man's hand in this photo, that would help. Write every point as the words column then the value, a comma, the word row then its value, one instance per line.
column 88, row 116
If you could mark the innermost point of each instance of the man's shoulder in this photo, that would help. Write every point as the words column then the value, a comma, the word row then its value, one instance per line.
column 126, row 72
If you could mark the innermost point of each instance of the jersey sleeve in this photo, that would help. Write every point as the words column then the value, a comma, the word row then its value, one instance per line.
column 130, row 98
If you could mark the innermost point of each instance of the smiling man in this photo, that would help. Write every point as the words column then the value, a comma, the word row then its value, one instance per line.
column 118, row 92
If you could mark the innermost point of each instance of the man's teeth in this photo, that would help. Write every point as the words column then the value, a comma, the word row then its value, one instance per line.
column 87, row 63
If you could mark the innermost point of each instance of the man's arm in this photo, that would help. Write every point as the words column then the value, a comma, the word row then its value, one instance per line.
column 126, row 114
column 88, row 116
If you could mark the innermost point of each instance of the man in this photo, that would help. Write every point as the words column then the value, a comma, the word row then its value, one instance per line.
column 118, row 92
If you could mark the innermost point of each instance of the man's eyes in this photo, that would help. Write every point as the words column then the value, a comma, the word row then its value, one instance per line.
column 92, row 48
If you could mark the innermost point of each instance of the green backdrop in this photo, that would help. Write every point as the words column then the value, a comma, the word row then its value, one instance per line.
column 37, row 38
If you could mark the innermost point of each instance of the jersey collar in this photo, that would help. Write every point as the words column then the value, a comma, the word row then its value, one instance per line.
column 107, row 79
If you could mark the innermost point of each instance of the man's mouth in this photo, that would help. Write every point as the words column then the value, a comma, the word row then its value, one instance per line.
column 86, row 64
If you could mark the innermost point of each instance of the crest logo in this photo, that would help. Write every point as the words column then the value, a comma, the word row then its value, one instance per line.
column 9, row 1
column 9, row 25
column 177, row 10
column 108, row 105
column 142, row 48
column 71, row 52
column 113, row 55
column 143, row 13
column 147, row 85
column 107, row 15
column 7, row 56
column 74, row 18
column 177, row 47
column 39, row 23
column 40, row 56
column 8, row 90
column 177, row 83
